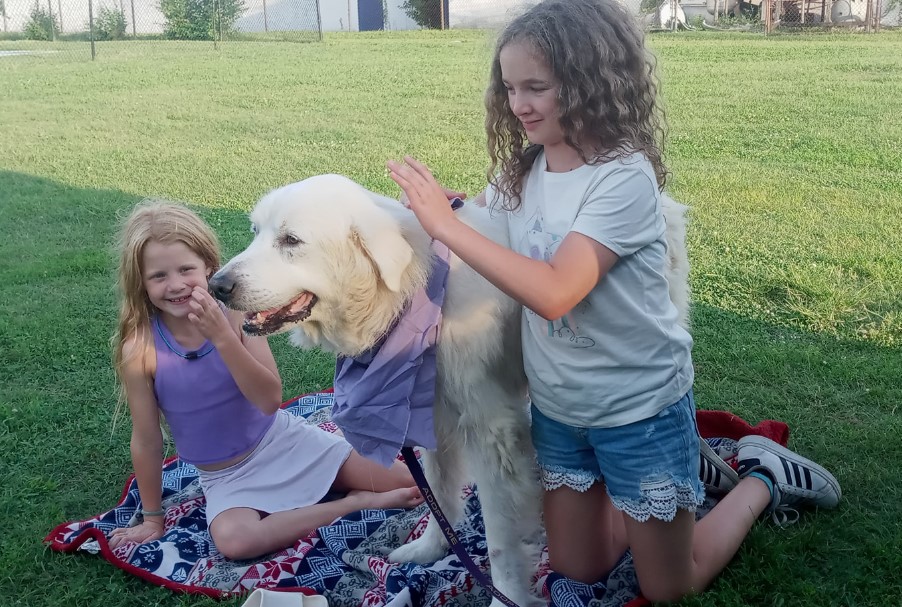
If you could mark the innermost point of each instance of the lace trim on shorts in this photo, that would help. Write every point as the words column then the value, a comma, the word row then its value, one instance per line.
column 555, row 477
column 660, row 499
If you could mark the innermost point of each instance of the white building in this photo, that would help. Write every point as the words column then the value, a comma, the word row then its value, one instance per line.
column 364, row 15
column 494, row 13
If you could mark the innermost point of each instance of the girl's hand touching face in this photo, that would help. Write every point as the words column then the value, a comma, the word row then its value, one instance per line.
column 425, row 197
column 207, row 316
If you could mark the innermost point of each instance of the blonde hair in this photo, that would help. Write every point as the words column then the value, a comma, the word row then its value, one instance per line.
column 151, row 221
column 608, row 90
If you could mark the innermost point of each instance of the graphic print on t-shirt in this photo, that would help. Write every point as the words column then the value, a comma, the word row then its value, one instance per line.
column 542, row 246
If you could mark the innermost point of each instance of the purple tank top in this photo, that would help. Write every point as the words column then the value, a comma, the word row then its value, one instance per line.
column 210, row 419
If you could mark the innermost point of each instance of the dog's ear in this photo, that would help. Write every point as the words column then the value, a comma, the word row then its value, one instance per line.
column 380, row 238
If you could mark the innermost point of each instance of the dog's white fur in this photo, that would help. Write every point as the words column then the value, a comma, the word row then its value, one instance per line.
column 364, row 255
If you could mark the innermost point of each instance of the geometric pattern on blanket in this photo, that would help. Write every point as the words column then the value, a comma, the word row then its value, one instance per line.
column 345, row 561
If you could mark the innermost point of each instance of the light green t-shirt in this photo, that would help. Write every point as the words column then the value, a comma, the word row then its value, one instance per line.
column 619, row 356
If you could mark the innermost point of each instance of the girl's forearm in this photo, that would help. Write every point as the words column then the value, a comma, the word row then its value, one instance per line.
column 531, row 282
column 148, row 463
column 256, row 382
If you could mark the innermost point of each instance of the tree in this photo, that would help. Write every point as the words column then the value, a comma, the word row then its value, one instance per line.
column 41, row 25
column 199, row 19
column 427, row 13
column 109, row 24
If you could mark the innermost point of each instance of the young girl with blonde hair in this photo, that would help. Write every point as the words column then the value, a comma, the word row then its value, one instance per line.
column 179, row 354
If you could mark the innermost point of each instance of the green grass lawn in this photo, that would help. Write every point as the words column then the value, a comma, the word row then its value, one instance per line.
column 787, row 149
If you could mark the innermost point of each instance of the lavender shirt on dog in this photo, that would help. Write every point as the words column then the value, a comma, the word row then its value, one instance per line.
column 384, row 397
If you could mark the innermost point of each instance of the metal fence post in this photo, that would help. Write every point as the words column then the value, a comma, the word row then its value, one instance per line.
column 319, row 21
column 91, row 29
column 52, row 21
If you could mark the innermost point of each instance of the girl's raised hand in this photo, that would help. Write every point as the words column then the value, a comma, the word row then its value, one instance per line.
column 449, row 194
column 425, row 197
column 208, row 317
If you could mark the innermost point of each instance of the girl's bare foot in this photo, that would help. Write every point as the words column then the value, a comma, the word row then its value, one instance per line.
column 405, row 497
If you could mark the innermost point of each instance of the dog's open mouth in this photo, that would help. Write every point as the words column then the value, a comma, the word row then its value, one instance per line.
column 270, row 321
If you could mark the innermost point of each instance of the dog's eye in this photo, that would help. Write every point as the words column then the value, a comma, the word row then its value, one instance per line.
column 290, row 240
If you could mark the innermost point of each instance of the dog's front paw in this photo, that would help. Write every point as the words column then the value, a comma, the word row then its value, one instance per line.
column 421, row 551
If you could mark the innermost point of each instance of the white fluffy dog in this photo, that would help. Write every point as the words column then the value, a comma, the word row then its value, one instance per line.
column 337, row 263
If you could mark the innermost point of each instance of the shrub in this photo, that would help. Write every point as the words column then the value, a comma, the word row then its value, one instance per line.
column 198, row 19
column 41, row 25
column 427, row 13
column 109, row 24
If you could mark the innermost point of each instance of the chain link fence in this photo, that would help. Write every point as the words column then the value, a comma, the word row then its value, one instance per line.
column 82, row 26
column 752, row 15
column 91, row 27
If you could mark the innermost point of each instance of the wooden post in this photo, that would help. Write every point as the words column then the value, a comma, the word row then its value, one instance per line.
column 265, row 18
column 134, row 27
column 59, row 13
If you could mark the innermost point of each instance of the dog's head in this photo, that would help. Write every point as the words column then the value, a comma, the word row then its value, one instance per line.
column 323, row 252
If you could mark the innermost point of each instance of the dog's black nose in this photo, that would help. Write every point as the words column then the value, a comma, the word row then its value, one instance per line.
column 222, row 286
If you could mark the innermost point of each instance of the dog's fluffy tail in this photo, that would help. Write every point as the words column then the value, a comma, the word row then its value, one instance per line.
column 678, row 275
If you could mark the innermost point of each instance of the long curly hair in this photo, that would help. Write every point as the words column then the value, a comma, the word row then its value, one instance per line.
column 607, row 101
column 152, row 221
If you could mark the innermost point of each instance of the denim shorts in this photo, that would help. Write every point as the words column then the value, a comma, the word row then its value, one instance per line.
column 649, row 467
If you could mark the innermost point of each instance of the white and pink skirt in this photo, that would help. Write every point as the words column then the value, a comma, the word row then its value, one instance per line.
column 294, row 466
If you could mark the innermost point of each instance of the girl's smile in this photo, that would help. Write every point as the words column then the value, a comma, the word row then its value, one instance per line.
column 171, row 271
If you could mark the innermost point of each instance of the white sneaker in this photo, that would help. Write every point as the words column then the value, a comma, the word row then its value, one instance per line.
column 716, row 474
column 798, row 482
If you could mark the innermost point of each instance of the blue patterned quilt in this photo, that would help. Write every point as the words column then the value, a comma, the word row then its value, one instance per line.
column 345, row 561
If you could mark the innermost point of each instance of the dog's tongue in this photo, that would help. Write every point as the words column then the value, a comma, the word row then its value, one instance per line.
column 300, row 303
column 297, row 305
